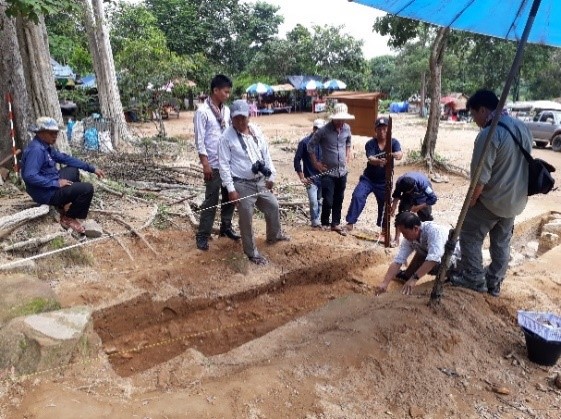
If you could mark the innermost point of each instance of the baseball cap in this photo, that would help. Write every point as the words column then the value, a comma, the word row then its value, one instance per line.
column 239, row 107
column 381, row 121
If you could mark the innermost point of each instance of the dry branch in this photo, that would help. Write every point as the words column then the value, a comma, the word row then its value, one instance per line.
column 33, row 243
column 120, row 242
column 135, row 231
column 151, row 218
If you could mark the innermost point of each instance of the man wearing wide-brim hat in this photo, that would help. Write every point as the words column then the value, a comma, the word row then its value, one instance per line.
column 46, row 184
column 334, row 140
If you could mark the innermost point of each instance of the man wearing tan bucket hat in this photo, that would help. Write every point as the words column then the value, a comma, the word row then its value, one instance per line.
column 334, row 140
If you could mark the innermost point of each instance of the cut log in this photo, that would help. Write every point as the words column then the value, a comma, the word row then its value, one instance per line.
column 10, row 222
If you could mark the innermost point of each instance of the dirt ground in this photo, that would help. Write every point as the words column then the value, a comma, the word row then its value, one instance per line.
column 196, row 334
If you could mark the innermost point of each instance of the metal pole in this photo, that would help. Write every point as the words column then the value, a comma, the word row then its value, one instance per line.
column 436, row 293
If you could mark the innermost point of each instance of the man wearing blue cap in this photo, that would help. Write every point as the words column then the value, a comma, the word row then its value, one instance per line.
column 373, row 179
column 60, row 188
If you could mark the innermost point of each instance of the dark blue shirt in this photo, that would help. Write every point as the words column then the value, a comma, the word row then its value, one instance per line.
column 303, row 157
column 39, row 171
column 422, row 191
column 377, row 174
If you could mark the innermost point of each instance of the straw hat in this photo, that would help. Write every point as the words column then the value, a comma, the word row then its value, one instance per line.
column 340, row 111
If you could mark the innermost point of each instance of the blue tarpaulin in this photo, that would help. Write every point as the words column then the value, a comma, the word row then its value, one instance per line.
column 397, row 107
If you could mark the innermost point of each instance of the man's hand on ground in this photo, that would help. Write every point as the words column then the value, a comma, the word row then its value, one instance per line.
column 380, row 289
column 99, row 173
column 408, row 287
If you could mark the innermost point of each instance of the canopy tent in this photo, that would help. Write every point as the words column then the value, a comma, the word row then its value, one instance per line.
column 62, row 71
column 456, row 101
column 523, row 21
column 299, row 81
column 89, row 81
column 312, row 85
column 282, row 88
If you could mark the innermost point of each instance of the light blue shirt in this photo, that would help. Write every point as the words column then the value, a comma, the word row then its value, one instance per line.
column 235, row 162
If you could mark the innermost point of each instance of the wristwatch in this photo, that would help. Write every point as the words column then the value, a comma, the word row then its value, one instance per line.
column 415, row 276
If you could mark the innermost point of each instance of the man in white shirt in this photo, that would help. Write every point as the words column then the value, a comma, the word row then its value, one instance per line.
column 248, row 173
column 427, row 239
column 210, row 120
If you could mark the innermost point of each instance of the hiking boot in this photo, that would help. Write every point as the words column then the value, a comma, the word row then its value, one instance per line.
column 202, row 243
column 231, row 234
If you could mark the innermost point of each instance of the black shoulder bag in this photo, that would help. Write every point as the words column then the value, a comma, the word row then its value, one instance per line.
column 539, row 171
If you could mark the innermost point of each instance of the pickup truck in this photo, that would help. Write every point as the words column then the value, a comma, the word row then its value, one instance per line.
column 546, row 129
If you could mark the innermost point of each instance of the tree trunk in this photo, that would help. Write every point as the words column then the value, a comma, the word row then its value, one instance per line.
column 436, row 59
column 39, row 76
column 104, row 66
column 27, row 75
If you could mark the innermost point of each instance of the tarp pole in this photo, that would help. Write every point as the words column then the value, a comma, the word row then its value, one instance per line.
column 12, row 132
column 436, row 293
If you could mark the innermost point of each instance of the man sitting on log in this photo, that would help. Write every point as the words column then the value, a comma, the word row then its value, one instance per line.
column 48, row 185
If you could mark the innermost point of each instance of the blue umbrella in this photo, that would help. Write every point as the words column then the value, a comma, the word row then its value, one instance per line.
column 334, row 84
column 311, row 85
column 500, row 19
column 535, row 21
column 259, row 88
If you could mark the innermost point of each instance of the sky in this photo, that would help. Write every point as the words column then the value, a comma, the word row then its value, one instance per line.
column 356, row 18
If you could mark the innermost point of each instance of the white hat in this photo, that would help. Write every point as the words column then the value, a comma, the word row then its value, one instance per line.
column 45, row 123
column 318, row 123
column 340, row 111
column 239, row 107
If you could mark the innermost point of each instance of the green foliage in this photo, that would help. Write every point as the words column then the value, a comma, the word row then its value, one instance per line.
column 33, row 9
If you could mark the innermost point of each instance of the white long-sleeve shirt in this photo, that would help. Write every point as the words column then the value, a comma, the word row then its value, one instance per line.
column 431, row 242
column 235, row 162
column 208, row 131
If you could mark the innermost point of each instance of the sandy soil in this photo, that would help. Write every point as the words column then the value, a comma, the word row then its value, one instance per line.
column 186, row 333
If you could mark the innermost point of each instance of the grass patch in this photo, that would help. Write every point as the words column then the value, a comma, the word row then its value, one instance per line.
column 35, row 306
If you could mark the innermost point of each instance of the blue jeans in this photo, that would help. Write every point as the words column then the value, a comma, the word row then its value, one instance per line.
column 364, row 188
column 333, row 192
column 315, row 199
column 478, row 223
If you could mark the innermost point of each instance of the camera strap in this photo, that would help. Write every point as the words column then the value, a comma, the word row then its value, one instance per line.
column 244, row 146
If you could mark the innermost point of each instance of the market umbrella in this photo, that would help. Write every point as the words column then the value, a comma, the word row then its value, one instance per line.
column 312, row 85
column 334, row 84
column 259, row 88
column 535, row 21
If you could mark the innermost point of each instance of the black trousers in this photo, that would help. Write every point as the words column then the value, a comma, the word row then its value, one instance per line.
column 333, row 191
column 79, row 194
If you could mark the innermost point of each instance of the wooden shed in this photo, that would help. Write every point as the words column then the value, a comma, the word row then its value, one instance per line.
column 364, row 106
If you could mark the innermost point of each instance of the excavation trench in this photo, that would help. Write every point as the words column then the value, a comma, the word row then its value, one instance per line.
column 142, row 333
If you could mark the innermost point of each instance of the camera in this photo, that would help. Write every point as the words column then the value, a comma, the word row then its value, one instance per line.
column 259, row 167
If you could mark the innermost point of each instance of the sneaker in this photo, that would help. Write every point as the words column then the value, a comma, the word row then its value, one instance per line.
column 460, row 281
column 258, row 260
column 202, row 243
column 231, row 234
column 339, row 229
column 281, row 238
column 494, row 290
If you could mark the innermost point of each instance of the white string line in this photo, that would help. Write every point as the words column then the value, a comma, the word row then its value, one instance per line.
column 87, row 242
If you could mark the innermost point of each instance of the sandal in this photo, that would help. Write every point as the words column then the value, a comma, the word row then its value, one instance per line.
column 72, row 223
column 258, row 260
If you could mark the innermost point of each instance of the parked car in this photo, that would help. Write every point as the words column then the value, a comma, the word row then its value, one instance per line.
column 546, row 129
